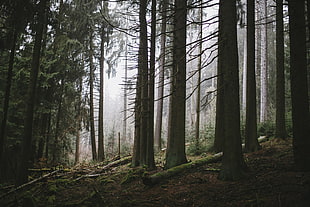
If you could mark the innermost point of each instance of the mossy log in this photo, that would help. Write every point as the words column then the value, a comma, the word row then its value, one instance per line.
column 157, row 177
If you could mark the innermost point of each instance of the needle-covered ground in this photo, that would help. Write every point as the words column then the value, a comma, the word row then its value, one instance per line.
column 270, row 181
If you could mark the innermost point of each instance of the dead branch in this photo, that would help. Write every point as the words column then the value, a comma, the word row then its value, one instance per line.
column 29, row 183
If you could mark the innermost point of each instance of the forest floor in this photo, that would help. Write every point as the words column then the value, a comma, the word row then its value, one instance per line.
column 270, row 181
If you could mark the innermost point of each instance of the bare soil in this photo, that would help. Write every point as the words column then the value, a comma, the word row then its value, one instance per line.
column 271, row 180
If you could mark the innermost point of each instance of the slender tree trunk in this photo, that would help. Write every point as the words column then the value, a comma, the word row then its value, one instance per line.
column 101, row 96
column 30, row 102
column 91, row 101
column 136, row 147
column 48, row 132
column 280, row 79
column 7, row 99
column 150, row 140
column 175, row 154
column 299, row 85
column 78, row 122
column 197, row 123
column 263, row 72
column 160, row 91
column 244, row 75
column 251, row 142
column 232, row 162
column 125, row 95
column 56, row 145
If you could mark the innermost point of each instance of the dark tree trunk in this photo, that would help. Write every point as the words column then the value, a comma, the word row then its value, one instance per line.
column 143, row 66
column 251, row 143
column 78, row 122
column 101, row 96
column 7, row 98
column 150, row 136
column 175, row 154
column 91, row 101
column 232, row 162
column 30, row 102
column 160, row 91
column 280, row 80
column 56, row 145
column 299, row 87
column 136, row 147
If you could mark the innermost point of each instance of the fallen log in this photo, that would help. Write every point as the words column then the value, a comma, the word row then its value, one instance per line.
column 157, row 177
column 29, row 183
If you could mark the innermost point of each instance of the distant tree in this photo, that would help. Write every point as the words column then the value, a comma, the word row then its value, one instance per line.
column 299, row 85
column 280, row 79
column 175, row 154
column 232, row 162
column 160, row 90
column 198, row 108
column 91, row 95
column 29, row 114
column 263, row 71
column 251, row 143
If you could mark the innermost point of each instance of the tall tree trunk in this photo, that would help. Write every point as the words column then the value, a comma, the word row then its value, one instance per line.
column 160, row 90
column 101, row 96
column 125, row 94
column 48, row 132
column 56, row 145
column 299, row 85
column 244, row 75
column 78, row 121
column 175, row 154
column 150, row 137
column 251, row 142
column 136, row 147
column 197, row 123
column 30, row 102
column 263, row 72
column 7, row 98
column 232, row 162
column 91, row 101
column 143, row 66
column 280, row 79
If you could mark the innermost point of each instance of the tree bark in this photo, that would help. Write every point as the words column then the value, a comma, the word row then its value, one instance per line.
column 175, row 154
column 30, row 102
column 299, row 85
column 251, row 143
column 280, row 79
column 232, row 163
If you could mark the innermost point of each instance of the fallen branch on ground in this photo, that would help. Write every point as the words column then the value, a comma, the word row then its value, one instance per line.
column 29, row 183
column 97, row 173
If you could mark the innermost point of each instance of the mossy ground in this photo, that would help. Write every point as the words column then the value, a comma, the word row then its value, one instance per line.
column 270, row 181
